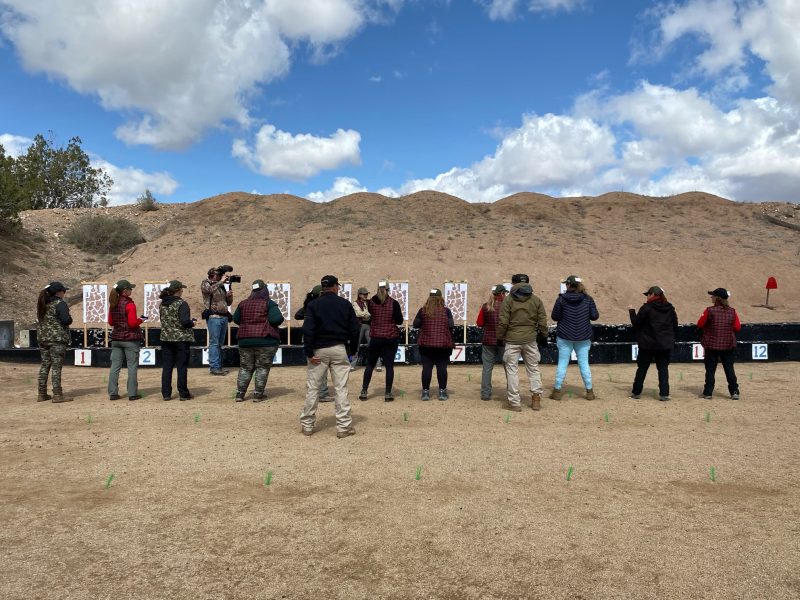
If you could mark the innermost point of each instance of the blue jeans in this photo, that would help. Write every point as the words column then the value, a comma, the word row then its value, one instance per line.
column 565, row 348
column 217, row 328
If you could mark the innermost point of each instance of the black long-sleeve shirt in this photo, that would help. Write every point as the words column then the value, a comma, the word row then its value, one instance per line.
column 330, row 320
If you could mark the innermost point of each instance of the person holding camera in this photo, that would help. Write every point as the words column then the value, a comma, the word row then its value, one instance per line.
column 216, row 300
column 258, row 319
column 177, row 335
column 522, row 325
column 126, row 339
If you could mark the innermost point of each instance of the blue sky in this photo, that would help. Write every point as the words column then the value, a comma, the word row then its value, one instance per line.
column 477, row 98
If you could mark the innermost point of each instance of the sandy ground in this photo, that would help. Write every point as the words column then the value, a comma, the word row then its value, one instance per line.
column 492, row 516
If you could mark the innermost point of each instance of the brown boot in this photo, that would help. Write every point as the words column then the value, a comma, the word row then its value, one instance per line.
column 60, row 397
column 44, row 397
column 556, row 394
column 536, row 402
column 590, row 395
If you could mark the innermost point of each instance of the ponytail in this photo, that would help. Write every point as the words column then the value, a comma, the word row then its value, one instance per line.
column 113, row 298
column 41, row 302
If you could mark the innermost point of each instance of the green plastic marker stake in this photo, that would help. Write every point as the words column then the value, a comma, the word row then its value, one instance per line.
column 233, row 394
column 268, row 478
column 418, row 474
column 109, row 480
column 655, row 395
column 708, row 417
column 712, row 473
column 751, row 376
column 104, row 379
column 196, row 417
column 507, row 418
column 605, row 416
column 569, row 473
column 89, row 419
column 402, row 393
column 405, row 417
column 469, row 376
column 680, row 376
column 610, row 378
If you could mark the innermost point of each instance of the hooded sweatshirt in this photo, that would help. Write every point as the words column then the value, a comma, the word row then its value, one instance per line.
column 522, row 315
column 656, row 325
column 574, row 312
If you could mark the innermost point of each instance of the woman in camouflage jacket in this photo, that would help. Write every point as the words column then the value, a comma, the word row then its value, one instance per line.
column 53, row 338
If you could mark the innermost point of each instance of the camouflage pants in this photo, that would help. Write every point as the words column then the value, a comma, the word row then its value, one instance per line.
column 52, row 361
column 258, row 360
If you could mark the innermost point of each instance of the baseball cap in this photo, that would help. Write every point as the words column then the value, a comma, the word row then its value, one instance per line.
column 329, row 281
column 573, row 280
column 654, row 290
column 499, row 289
column 56, row 286
column 520, row 278
column 258, row 284
column 175, row 285
column 363, row 290
column 123, row 284
column 316, row 290
column 720, row 293
column 435, row 292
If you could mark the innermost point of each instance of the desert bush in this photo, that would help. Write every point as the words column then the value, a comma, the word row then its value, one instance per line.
column 147, row 202
column 104, row 235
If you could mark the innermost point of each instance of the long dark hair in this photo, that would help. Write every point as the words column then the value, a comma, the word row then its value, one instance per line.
column 45, row 298
column 113, row 298
column 166, row 293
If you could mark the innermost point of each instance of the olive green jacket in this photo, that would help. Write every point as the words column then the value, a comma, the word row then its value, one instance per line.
column 521, row 318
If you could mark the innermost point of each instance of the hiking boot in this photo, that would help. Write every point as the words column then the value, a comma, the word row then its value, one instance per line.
column 514, row 407
column 635, row 396
column 165, row 398
column 346, row 432
column 556, row 394
column 486, row 398
column 259, row 397
column 590, row 394
column 240, row 396
column 735, row 396
column 388, row 396
column 218, row 372
column 706, row 396
column 325, row 398
column 44, row 397
column 114, row 397
column 60, row 397
column 362, row 395
column 379, row 368
column 426, row 395
column 536, row 402
column 135, row 397
column 443, row 395
column 664, row 398
column 307, row 432
column 187, row 397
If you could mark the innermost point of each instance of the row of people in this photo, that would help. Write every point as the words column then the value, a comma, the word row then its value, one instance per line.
column 514, row 325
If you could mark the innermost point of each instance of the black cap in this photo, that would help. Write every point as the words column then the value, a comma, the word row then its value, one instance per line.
column 720, row 293
column 654, row 291
column 56, row 286
column 520, row 278
column 329, row 281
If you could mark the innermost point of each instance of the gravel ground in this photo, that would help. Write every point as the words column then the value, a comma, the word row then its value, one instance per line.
column 188, row 514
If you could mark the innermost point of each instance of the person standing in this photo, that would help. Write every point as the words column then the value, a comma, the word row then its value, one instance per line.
column 435, row 341
column 719, row 324
column 258, row 319
column 324, row 392
column 523, row 323
column 53, row 338
column 573, row 311
column 491, row 347
column 126, row 339
column 656, row 326
column 362, row 314
column 177, row 335
column 329, row 330
column 384, row 338
column 216, row 300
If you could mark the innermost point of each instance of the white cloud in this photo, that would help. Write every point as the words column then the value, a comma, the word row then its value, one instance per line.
column 280, row 154
column 342, row 186
column 130, row 182
column 376, row 79
column 506, row 10
column 178, row 67
column 14, row 145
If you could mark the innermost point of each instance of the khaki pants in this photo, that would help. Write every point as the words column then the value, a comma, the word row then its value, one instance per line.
column 335, row 360
column 530, row 356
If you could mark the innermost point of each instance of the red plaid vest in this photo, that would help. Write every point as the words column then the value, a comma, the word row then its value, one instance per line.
column 718, row 332
column 435, row 331
column 490, row 321
column 253, row 319
column 120, row 330
column 381, row 324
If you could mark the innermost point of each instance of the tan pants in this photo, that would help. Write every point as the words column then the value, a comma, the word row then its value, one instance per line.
column 530, row 356
column 335, row 360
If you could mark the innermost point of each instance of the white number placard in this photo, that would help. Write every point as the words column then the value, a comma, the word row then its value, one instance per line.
column 562, row 289
column 697, row 352
column 147, row 357
column 205, row 356
column 400, row 355
column 278, row 358
column 459, row 354
column 635, row 352
column 760, row 352
column 83, row 358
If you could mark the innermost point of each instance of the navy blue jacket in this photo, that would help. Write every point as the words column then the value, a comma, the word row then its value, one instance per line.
column 330, row 321
column 574, row 312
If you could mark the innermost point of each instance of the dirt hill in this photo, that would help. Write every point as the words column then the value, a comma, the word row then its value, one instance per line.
column 619, row 243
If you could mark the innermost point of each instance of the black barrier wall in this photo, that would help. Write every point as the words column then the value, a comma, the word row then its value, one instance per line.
column 772, row 342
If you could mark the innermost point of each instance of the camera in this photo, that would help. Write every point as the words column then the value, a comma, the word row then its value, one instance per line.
column 223, row 269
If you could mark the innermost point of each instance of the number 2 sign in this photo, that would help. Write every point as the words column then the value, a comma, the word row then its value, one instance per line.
column 147, row 357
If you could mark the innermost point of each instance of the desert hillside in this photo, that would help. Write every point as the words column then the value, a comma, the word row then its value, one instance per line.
column 619, row 243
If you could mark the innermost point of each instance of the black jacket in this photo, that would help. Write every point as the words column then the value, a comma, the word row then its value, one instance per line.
column 330, row 320
column 656, row 325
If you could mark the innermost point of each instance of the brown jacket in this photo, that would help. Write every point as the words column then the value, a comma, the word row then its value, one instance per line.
column 215, row 298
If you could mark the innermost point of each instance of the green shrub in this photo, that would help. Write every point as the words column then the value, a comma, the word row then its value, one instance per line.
column 147, row 202
column 104, row 235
